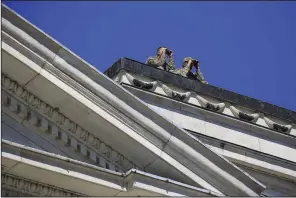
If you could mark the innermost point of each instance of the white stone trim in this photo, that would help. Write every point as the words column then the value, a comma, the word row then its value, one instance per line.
column 132, row 79
column 272, row 125
column 223, row 108
column 173, row 94
column 249, row 158
column 34, row 188
column 237, row 112
column 136, row 110
column 87, row 173
column 98, row 149
column 205, row 104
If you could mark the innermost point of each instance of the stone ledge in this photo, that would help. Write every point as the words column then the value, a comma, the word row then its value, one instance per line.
column 194, row 85
column 34, row 188
column 243, row 150
column 52, row 120
column 101, row 86
column 158, row 98
column 124, row 183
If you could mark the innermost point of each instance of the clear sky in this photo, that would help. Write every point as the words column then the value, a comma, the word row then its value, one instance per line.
column 245, row 47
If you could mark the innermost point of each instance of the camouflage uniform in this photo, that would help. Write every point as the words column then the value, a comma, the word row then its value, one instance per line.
column 199, row 76
column 186, row 71
column 161, row 63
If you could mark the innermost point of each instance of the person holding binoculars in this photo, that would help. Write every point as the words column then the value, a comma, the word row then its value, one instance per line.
column 187, row 65
column 164, row 59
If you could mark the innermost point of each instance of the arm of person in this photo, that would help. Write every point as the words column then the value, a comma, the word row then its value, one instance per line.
column 171, row 64
column 152, row 60
column 200, row 76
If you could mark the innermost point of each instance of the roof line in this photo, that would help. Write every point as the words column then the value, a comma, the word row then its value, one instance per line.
column 196, row 86
column 209, row 163
column 22, row 148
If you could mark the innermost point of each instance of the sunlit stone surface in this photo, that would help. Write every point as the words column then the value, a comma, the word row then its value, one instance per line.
column 70, row 130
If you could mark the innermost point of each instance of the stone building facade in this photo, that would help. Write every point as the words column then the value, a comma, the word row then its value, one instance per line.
column 134, row 130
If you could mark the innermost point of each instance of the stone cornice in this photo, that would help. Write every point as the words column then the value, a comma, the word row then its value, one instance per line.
column 139, row 83
column 244, row 116
column 206, row 89
column 243, row 150
column 204, row 163
column 47, row 118
column 278, row 127
column 121, row 181
column 210, row 106
column 34, row 188
column 174, row 94
column 154, row 98
column 206, row 104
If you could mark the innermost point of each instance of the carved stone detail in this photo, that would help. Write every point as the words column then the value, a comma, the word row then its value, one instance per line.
column 57, row 118
column 34, row 187
column 140, row 83
column 44, row 125
column 118, row 78
column 244, row 116
column 208, row 105
column 174, row 94
column 278, row 127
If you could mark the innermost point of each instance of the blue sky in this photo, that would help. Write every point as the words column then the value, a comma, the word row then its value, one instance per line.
column 245, row 47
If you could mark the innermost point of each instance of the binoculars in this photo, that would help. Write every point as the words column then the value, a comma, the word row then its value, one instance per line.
column 168, row 52
column 195, row 62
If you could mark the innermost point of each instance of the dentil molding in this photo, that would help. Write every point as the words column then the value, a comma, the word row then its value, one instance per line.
column 57, row 121
column 34, row 188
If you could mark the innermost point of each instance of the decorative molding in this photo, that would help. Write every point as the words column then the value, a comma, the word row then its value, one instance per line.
column 60, row 121
column 7, row 192
column 22, row 185
column 278, row 127
column 118, row 78
column 210, row 106
column 195, row 86
column 248, row 117
column 244, row 116
column 174, row 94
column 43, row 124
column 227, row 182
column 140, row 83
column 101, row 103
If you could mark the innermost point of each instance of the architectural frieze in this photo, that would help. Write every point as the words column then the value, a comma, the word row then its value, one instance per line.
column 206, row 104
column 244, row 116
column 135, row 67
column 57, row 121
column 278, row 127
column 140, row 83
column 166, row 145
column 174, row 94
column 211, row 106
column 34, row 188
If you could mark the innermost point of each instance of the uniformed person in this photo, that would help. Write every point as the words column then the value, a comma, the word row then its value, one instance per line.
column 164, row 59
column 187, row 65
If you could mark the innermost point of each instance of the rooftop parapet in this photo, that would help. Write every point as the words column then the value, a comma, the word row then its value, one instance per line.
column 196, row 86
